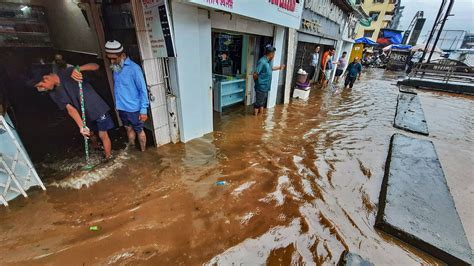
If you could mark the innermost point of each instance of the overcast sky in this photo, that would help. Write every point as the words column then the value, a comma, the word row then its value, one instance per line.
column 463, row 18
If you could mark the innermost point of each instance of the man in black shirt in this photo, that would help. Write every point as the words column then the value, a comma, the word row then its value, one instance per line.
column 224, row 65
column 64, row 91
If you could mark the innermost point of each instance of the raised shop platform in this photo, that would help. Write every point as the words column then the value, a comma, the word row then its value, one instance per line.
column 438, row 85
column 416, row 205
column 442, row 75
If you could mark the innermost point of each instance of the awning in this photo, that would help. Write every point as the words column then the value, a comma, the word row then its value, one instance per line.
column 397, row 46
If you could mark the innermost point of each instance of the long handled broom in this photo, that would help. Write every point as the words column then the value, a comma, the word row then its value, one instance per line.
column 88, row 165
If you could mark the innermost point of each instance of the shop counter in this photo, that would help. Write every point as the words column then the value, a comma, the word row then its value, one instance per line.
column 228, row 92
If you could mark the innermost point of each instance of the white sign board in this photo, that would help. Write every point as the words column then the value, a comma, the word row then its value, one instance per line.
column 159, row 28
column 286, row 13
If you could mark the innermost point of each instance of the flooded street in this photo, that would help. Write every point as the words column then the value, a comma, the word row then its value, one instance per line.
column 302, row 186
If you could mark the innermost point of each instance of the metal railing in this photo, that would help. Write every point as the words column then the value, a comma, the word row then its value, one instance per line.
column 445, row 71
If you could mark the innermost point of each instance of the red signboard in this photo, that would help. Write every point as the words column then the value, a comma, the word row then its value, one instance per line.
column 289, row 5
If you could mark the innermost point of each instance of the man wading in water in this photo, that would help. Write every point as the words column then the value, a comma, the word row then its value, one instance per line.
column 263, row 78
column 131, row 94
column 63, row 89
column 354, row 70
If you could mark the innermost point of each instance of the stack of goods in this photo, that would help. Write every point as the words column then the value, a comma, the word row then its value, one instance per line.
column 302, row 81
column 302, row 85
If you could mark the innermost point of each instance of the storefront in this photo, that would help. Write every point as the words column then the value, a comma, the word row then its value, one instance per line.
column 32, row 32
column 232, row 54
column 325, row 24
column 218, row 44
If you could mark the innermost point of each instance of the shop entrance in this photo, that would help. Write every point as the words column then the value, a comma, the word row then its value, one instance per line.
column 234, row 58
column 303, row 57
column 38, row 32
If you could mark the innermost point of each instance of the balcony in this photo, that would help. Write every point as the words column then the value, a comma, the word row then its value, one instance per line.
column 387, row 17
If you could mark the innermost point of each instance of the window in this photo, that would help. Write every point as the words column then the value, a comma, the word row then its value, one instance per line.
column 378, row 1
column 368, row 33
column 374, row 15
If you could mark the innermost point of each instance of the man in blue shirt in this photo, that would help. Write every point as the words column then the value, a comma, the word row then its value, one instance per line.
column 314, row 63
column 131, row 94
column 354, row 70
column 263, row 78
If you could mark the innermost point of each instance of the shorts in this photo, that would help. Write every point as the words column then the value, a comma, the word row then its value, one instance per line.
column 327, row 74
column 103, row 123
column 260, row 98
column 131, row 119
column 339, row 72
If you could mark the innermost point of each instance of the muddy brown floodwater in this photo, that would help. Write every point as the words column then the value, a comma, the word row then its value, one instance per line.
column 302, row 186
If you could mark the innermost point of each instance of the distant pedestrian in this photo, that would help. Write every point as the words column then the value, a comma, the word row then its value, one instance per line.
column 59, row 63
column 263, row 78
column 327, row 66
column 314, row 64
column 131, row 94
column 354, row 70
column 341, row 66
column 414, row 59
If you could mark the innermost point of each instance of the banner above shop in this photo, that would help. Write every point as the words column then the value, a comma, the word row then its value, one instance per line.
column 158, row 24
column 285, row 13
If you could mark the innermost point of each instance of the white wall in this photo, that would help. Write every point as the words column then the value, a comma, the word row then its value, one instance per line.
column 153, row 69
column 278, row 40
column 191, row 70
column 291, row 57
column 232, row 22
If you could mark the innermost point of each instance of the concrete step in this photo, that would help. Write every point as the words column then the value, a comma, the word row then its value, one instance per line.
column 352, row 259
column 416, row 205
column 410, row 115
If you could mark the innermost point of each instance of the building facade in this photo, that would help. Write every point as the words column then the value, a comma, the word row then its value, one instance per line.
column 327, row 24
column 382, row 13
column 204, row 30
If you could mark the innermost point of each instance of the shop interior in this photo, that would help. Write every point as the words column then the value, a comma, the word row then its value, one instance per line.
column 235, row 56
column 35, row 32
column 303, row 58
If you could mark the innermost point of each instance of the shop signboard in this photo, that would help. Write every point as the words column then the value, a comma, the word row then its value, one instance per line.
column 285, row 13
column 397, row 59
column 159, row 27
column 316, row 24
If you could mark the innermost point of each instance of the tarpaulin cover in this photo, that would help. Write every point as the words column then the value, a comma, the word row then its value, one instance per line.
column 366, row 41
column 395, row 37
column 397, row 46
column 384, row 41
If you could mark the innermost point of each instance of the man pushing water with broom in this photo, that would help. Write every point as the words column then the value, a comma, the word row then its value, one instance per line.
column 88, row 110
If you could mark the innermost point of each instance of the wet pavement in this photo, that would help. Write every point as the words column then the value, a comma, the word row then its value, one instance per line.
column 302, row 186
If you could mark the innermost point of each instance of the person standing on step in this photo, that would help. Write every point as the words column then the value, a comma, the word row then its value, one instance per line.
column 327, row 66
column 263, row 78
column 314, row 64
column 341, row 66
column 131, row 94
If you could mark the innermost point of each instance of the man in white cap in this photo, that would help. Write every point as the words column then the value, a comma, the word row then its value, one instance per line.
column 131, row 94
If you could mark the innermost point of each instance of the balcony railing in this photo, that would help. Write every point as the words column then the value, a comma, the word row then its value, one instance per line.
column 387, row 17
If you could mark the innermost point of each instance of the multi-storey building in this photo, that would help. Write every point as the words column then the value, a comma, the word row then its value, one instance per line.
column 382, row 13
